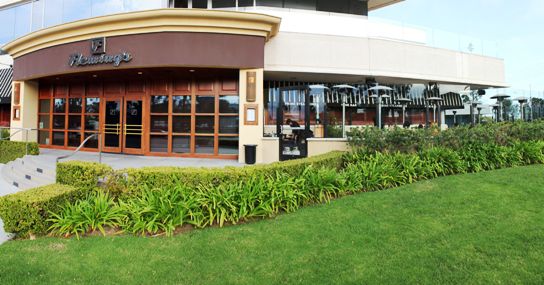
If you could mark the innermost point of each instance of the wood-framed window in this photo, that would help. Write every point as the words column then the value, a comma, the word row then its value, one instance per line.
column 67, row 115
column 194, row 118
column 189, row 117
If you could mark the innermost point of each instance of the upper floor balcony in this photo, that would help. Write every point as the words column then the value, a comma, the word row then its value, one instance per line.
column 336, row 17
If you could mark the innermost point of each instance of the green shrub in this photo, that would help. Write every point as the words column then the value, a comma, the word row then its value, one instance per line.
column 530, row 152
column 158, row 209
column 11, row 150
column 135, row 179
column 4, row 134
column 408, row 141
column 81, row 174
column 94, row 213
column 27, row 212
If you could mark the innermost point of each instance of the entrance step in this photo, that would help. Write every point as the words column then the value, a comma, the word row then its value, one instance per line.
column 29, row 172
column 5, row 187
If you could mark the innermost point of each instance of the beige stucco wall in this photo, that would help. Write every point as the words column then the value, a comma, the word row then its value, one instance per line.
column 322, row 146
column 251, row 134
column 28, row 111
column 271, row 150
column 380, row 58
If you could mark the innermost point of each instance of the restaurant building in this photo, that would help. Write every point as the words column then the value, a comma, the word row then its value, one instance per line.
column 5, row 95
column 204, row 78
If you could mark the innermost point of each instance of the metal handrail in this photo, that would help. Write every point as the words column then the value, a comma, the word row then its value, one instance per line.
column 99, row 135
column 26, row 130
column 9, row 137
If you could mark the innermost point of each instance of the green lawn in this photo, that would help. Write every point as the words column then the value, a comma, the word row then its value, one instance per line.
column 476, row 228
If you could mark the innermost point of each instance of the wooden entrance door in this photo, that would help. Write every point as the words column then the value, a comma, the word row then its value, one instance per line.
column 112, row 110
column 123, row 125
column 133, row 125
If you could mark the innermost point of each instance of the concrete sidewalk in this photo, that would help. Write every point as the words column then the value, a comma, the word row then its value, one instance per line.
column 120, row 161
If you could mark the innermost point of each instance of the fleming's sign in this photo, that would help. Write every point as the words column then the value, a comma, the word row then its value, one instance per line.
column 99, row 56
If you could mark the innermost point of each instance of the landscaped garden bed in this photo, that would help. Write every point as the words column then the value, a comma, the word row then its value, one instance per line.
column 483, row 228
column 155, row 201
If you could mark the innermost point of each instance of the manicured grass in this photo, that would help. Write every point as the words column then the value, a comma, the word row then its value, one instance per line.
column 476, row 228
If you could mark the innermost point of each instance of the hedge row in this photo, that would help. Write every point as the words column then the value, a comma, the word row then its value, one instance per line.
column 162, row 209
column 11, row 150
column 132, row 180
column 410, row 140
column 27, row 212
column 81, row 174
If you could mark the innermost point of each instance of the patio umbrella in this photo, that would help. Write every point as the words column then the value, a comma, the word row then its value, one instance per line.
column 435, row 100
column 344, row 86
column 318, row 87
column 522, row 101
column 377, row 88
column 500, row 98
column 404, row 102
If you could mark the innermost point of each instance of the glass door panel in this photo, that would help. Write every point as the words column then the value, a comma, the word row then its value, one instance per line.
column 112, row 125
column 293, row 124
column 133, row 126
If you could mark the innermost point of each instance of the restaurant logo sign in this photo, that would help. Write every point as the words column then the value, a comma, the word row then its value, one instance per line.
column 99, row 56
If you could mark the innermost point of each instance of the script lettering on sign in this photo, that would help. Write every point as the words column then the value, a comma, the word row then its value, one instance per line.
column 99, row 56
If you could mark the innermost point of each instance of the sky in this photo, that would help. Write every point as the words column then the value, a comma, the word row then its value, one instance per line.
column 516, row 25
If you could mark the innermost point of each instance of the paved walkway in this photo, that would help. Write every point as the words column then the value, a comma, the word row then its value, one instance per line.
column 120, row 161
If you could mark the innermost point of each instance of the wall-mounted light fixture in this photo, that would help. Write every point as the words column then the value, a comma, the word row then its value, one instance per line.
column 251, row 87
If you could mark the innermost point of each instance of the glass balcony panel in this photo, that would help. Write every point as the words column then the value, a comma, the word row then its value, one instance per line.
column 7, row 25
column 22, row 20
column 107, row 7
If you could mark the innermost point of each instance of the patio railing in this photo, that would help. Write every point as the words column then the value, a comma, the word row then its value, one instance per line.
column 97, row 135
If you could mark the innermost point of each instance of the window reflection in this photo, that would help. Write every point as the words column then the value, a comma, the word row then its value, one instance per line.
column 137, row 5
column 228, row 104
column 92, row 105
column 334, row 108
column 204, row 145
column 37, row 14
column 159, row 124
column 159, row 104
column 182, row 104
column 205, row 104
column 22, row 20
column 75, row 10
column 181, row 144
column 74, row 105
column 60, row 106
column 181, row 124
column 7, row 20
column 53, row 13
column 228, row 125
column 106, row 7
column 205, row 124
column 228, row 145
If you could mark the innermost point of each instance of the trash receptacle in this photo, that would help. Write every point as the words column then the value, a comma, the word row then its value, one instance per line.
column 250, row 153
